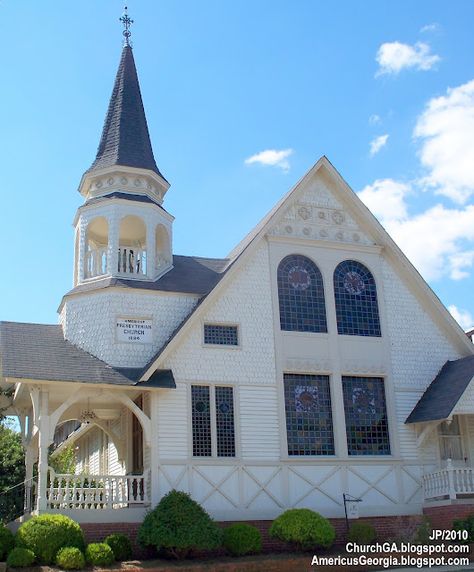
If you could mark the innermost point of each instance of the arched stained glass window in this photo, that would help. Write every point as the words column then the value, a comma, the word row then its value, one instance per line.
column 301, row 295
column 357, row 310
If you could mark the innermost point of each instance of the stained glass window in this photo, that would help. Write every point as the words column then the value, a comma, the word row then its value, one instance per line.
column 366, row 415
column 308, row 414
column 201, row 417
column 213, row 429
column 220, row 335
column 225, row 422
column 356, row 300
column 301, row 295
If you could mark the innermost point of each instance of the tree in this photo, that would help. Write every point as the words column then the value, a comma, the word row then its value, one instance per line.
column 12, row 472
column 64, row 462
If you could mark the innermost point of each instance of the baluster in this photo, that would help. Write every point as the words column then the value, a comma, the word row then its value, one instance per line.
column 51, row 486
column 73, row 498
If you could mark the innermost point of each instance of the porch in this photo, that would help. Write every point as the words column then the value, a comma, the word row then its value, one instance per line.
column 110, row 478
column 449, row 482
column 96, row 492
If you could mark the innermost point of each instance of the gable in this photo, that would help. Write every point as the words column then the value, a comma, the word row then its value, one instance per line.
column 322, row 207
column 316, row 214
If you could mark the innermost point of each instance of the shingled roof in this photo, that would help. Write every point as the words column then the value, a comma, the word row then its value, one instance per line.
column 40, row 352
column 190, row 274
column 125, row 139
column 444, row 392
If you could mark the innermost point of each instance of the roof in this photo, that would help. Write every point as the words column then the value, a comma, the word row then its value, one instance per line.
column 124, row 196
column 125, row 139
column 40, row 352
column 190, row 274
column 444, row 392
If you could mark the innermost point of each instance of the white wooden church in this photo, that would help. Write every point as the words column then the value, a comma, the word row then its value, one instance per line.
column 310, row 362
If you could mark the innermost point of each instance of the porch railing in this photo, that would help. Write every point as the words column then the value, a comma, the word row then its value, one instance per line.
column 450, row 482
column 96, row 491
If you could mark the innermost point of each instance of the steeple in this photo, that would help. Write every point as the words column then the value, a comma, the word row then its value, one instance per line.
column 125, row 139
column 122, row 231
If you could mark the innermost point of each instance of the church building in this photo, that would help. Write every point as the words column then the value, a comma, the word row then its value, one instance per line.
column 310, row 363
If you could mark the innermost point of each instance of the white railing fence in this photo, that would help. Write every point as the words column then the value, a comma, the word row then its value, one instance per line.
column 96, row 491
column 96, row 262
column 132, row 260
column 449, row 482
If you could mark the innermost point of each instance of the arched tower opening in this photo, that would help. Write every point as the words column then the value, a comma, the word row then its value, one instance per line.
column 132, row 257
column 97, row 242
column 162, row 248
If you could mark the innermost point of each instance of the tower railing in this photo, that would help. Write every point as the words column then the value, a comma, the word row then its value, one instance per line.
column 132, row 260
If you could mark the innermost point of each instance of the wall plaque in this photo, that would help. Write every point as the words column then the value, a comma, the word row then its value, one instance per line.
column 134, row 330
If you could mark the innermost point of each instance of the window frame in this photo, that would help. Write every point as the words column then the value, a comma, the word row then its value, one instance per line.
column 321, row 302
column 377, row 301
column 389, row 431
column 222, row 346
column 213, row 416
column 299, row 458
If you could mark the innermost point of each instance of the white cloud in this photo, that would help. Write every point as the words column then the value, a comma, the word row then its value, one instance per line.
column 272, row 157
column 462, row 317
column 446, row 132
column 434, row 27
column 374, row 119
column 386, row 199
column 377, row 143
column 438, row 241
column 393, row 57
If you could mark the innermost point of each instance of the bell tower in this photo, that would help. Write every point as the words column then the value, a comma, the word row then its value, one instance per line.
column 122, row 230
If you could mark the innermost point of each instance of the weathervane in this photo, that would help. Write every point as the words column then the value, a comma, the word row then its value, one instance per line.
column 127, row 22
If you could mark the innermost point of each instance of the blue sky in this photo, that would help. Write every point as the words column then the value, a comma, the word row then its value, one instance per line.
column 223, row 82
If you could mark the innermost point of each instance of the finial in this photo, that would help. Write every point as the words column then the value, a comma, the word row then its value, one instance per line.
column 127, row 22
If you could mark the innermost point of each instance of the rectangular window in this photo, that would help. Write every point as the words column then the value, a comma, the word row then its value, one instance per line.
column 366, row 415
column 213, row 427
column 201, row 421
column 225, row 422
column 308, row 414
column 216, row 334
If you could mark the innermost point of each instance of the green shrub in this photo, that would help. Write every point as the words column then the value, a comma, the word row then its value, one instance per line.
column 7, row 542
column 423, row 532
column 70, row 558
column 47, row 533
column 121, row 546
column 304, row 528
column 465, row 524
column 361, row 533
column 20, row 557
column 179, row 524
column 99, row 554
column 240, row 539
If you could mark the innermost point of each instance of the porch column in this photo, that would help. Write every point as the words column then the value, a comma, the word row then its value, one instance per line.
column 29, row 461
column 44, row 442
column 154, row 460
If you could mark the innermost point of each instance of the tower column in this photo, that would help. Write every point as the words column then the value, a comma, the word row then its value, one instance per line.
column 113, row 246
column 150, row 249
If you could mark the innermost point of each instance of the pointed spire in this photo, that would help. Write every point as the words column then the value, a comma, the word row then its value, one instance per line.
column 125, row 139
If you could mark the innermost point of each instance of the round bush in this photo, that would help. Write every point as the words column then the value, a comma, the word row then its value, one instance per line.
column 179, row 524
column 20, row 557
column 304, row 528
column 70, row 558
column 121, row 546
column 361, row 533
column 7, row 542
column 240, row 539
column 47, row 533
column 99, row 554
